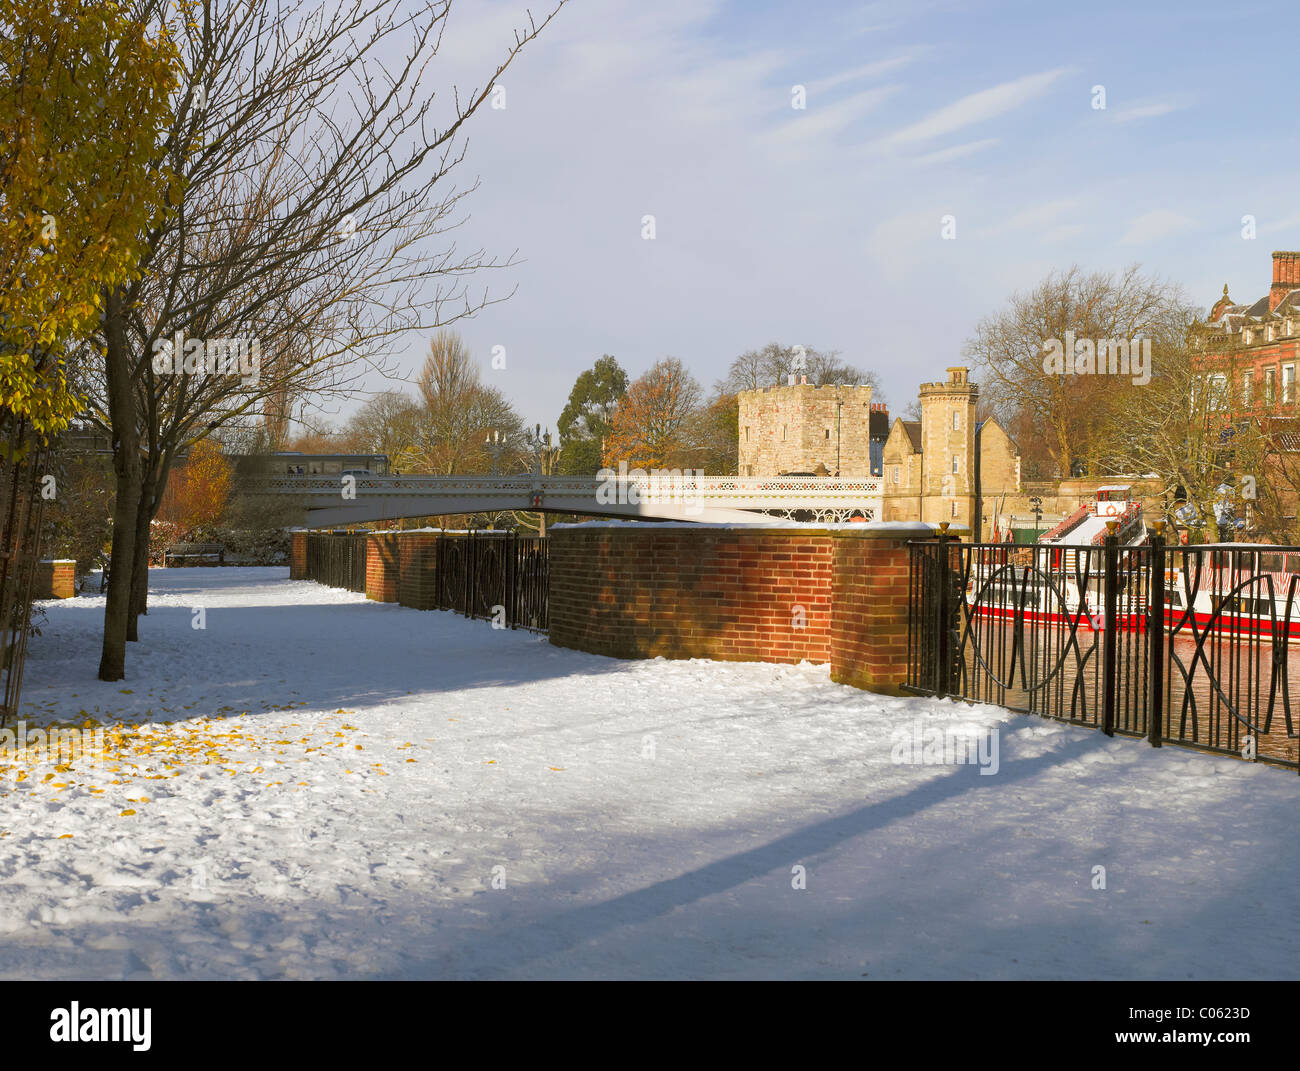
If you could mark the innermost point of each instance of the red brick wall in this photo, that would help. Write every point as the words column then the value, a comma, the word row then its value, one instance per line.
column 691, row 593
column 382, row 566
column 417, row 570
column 298, row 556
column 869, row 629
column 729, row 594
column 55, row 580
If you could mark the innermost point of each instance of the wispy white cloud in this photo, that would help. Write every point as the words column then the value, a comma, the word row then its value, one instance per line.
column 1150, row 109
column 828, row 120
column 943, row 156
column 977, row 107
column 867, row 70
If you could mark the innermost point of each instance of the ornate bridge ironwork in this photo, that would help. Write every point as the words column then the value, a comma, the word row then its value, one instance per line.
column 328, row 500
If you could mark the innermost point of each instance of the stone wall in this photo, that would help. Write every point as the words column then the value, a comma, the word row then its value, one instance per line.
column 794, row 429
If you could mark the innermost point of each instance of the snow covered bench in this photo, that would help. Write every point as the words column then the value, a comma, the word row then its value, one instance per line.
column 206, row 553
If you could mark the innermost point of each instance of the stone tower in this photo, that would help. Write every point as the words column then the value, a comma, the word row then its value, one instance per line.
column 948, row 450
column 805, row 428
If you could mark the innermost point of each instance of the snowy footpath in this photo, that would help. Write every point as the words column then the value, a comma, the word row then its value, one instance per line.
column 316, row 786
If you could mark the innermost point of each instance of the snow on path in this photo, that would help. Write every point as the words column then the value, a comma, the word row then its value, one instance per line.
column 317, row 786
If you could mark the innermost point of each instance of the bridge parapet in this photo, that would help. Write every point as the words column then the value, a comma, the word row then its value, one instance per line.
column 329, row 500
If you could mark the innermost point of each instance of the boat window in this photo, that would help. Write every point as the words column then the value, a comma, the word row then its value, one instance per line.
column 1174, row 598
column 1270, row 563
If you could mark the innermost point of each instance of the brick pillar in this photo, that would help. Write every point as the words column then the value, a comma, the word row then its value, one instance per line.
column 64, row 581
column 869, row 580
column 298, row 556
column 382, row 566
column 55, row 579
column 417, row 569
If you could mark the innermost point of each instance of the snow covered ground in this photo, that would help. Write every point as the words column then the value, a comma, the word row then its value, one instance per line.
column 318, row 786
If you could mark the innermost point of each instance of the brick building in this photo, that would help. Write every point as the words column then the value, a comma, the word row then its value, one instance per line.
column 824, row 430
column 1257, row 345
column 947, row 466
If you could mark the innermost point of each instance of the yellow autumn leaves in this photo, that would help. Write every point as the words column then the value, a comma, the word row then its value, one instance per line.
column 84, row 92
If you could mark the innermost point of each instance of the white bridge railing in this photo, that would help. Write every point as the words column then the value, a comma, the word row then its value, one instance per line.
column 730, row 490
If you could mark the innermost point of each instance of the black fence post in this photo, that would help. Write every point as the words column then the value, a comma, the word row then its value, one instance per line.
column 942, row 676
column 470, row 569
column 1110, row 625
column 1156, row 640
column 510, row 595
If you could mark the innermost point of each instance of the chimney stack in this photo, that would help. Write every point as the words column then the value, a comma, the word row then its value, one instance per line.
column 1286, row 277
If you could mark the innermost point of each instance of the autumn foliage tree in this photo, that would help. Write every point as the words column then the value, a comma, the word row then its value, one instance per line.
column 199, row 496
column 652, row 424
column 84, row 90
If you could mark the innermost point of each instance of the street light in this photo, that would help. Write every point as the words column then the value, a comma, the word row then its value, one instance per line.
column 1037, row 503
column 543, row 458
column 495, row 445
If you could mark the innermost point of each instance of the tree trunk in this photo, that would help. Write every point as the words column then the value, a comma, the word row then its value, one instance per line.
column 126, row 469
column 140, row 559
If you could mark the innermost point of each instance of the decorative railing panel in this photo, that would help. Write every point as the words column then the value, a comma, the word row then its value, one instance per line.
column 1207, row 638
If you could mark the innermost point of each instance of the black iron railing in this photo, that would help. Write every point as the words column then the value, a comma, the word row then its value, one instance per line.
column 495, row 576
column 1182, row 645
column 337, row 560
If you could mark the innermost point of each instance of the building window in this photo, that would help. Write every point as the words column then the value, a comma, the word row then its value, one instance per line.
column 783, row 433
column 954, row 507
column 956, row 420
column 956, row 463
column 1218, row 390
column 746, row 433
column 1270, row 386
column 1247, row 387
column 896, row 471
column 1288, row 384
column 828, row 433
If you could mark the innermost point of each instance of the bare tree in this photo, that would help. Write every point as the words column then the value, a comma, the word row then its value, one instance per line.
column 458, row 412
column 389, row 423
column 316, row 203
column 1190, row 429
column 772, row 366
column 1008, row 347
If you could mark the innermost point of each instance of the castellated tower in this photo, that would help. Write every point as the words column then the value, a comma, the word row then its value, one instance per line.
column 806, row 428
column 948, row 450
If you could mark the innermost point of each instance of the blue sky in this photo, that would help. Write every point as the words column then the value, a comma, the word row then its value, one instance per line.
column 822, row 226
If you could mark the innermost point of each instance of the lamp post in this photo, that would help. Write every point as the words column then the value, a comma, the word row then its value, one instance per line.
column 1037, row 503
column 543, row 457
column 496, row 445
